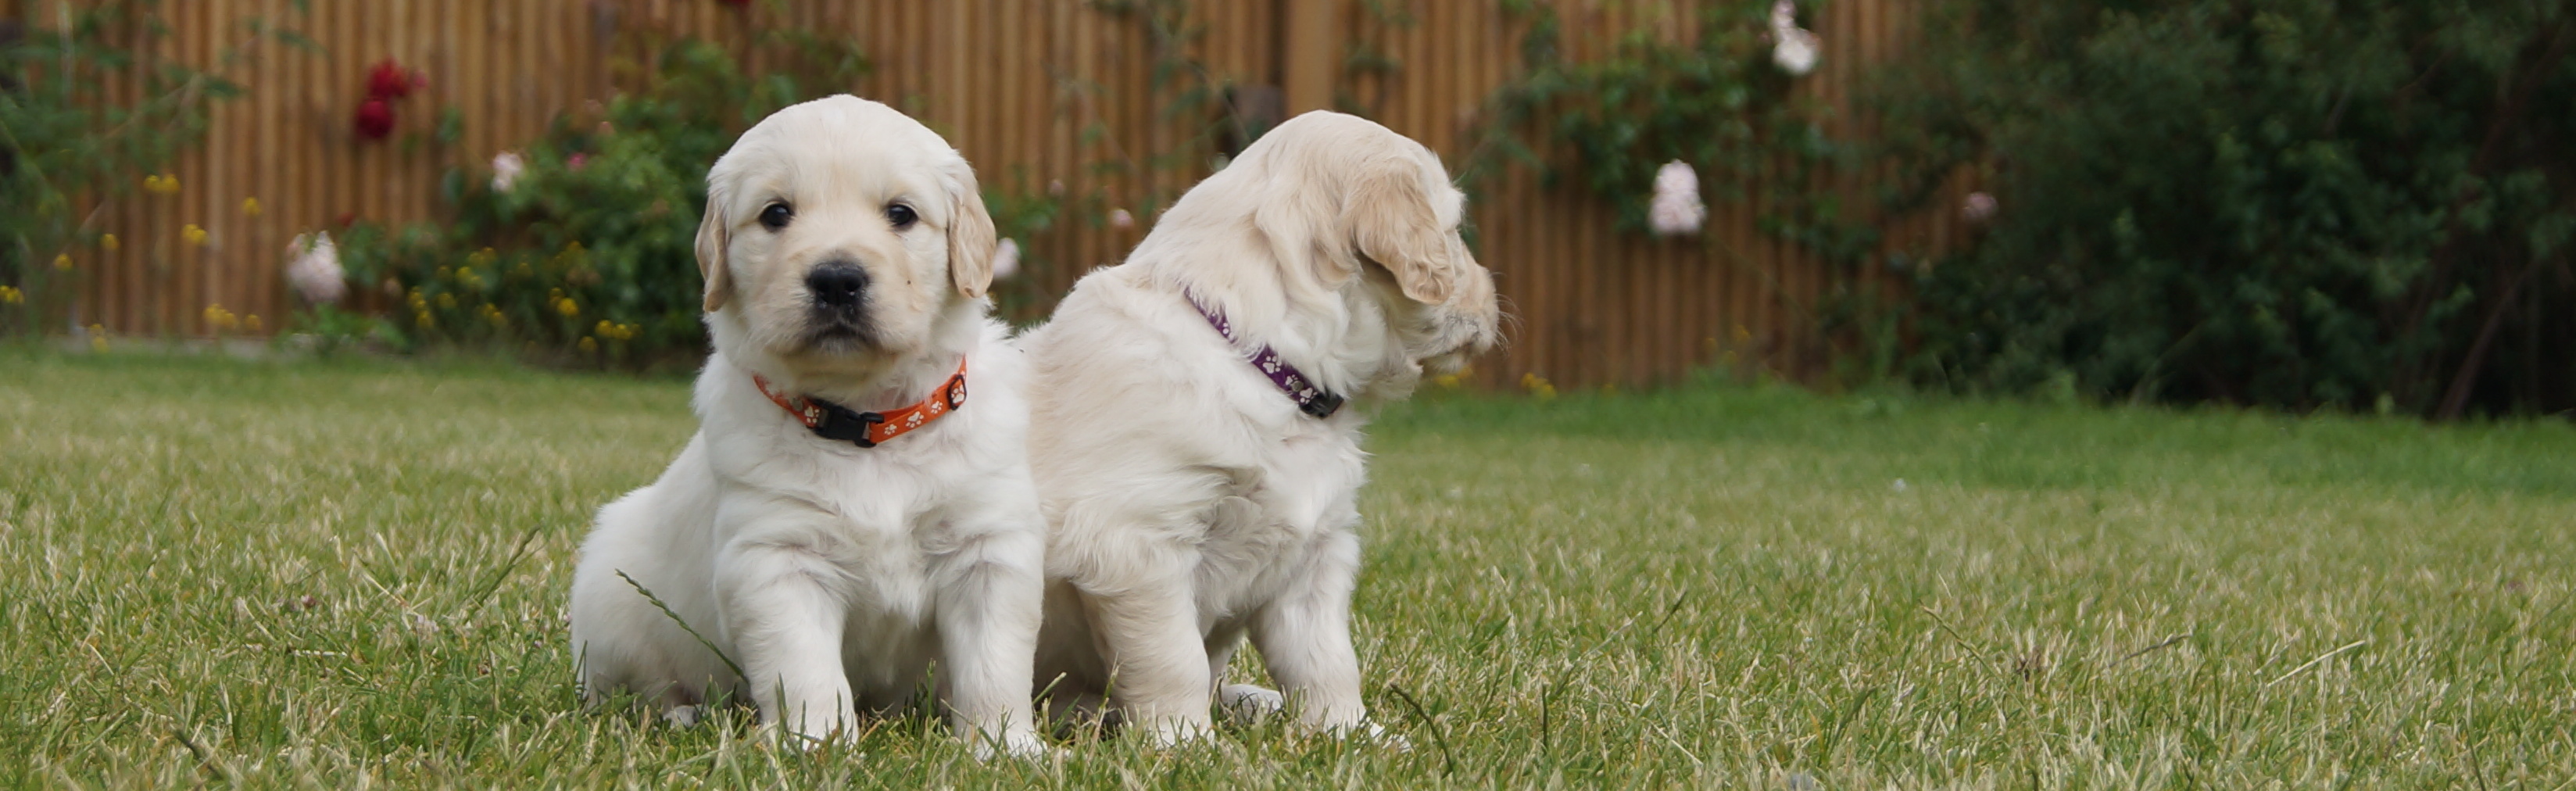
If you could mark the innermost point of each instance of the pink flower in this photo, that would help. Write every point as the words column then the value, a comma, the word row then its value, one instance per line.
column 1006, row 259
column 1676, row 209
column 577, row 161
column 1120, row 219
column 314, row 269
column 1978, row 208
column 1793, row 49
column 506, row 167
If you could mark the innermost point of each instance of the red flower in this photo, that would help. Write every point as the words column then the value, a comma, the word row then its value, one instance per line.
column 388, row 80
column 375, row 119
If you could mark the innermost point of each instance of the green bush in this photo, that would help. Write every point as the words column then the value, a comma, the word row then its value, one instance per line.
column 1717, row 103
column 84, row 121
column 2298, row 203
column 588, row 256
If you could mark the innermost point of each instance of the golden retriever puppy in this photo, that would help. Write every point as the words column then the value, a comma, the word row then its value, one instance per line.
column 845, row 515
column 1194, row 455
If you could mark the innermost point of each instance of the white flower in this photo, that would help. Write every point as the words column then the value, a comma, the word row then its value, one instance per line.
column 1675, row 209
column 1979, row 207
column 506, row 167
column 315, row 271
column 1006, row 259
column 1120, row 219
column 1793, row 48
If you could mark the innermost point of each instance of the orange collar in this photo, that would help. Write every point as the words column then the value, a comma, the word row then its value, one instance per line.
column 866, row 429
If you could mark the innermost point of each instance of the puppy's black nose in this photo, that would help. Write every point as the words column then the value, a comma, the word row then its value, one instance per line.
column 837, row 284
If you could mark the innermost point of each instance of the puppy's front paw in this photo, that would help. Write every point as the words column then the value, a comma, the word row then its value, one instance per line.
column 1022, row 745
column 1247, row 704
column 806, row 739
column 1173, row 732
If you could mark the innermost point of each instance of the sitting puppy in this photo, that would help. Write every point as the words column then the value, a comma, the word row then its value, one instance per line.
column 1194, row 456
column 831, row 554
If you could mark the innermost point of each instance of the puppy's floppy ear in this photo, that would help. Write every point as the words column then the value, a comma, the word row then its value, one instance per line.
column 714, row 238
column 971, row 238
column 1392, row 222
column 1297, row 215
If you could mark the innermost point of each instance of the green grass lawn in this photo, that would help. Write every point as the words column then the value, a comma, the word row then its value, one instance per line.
column 351, row 573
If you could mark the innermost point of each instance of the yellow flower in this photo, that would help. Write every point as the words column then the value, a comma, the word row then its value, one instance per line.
column 588, row 344
column 63, row 262
column 1451, row 381
column 567, row 307
column 250, row 207
column 424, row 320
column 192, row 235
column 10, row 295
column 447, row 301
column 97, row 338
column 251, row 322
column 218, row 317
column 107, row 241
column 1538, row 386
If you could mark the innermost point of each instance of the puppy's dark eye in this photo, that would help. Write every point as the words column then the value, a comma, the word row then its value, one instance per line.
column 776, row 215
column 902, row 216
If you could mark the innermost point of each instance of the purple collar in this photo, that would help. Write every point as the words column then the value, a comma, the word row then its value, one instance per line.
column 1310, row 399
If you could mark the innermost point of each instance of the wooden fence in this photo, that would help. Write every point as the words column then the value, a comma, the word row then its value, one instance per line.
column 1038, row 93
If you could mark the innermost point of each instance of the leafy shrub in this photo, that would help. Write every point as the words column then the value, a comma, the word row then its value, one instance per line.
column 1716, row 102
column 2298, row 203
column 588, row 254
column 73, row 137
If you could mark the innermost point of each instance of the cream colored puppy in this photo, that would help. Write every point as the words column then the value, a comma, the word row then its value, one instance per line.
column 1198, row 468
column 834, row 553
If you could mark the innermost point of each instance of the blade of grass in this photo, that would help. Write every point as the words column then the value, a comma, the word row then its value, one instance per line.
column 684, row 625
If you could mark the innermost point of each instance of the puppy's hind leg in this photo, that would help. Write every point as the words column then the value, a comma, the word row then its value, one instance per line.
column 622, row 641
column 988, row 614
column 1245, row 704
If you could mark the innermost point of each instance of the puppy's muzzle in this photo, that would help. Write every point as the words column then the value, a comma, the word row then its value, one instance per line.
column 837, row 290
column 838, row 287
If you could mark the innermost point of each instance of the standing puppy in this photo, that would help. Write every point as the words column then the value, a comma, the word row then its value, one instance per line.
column 845, row 514
column 1196, row 459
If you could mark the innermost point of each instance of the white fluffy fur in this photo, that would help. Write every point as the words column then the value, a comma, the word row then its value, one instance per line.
column 1190, row 503
column 834, row 575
